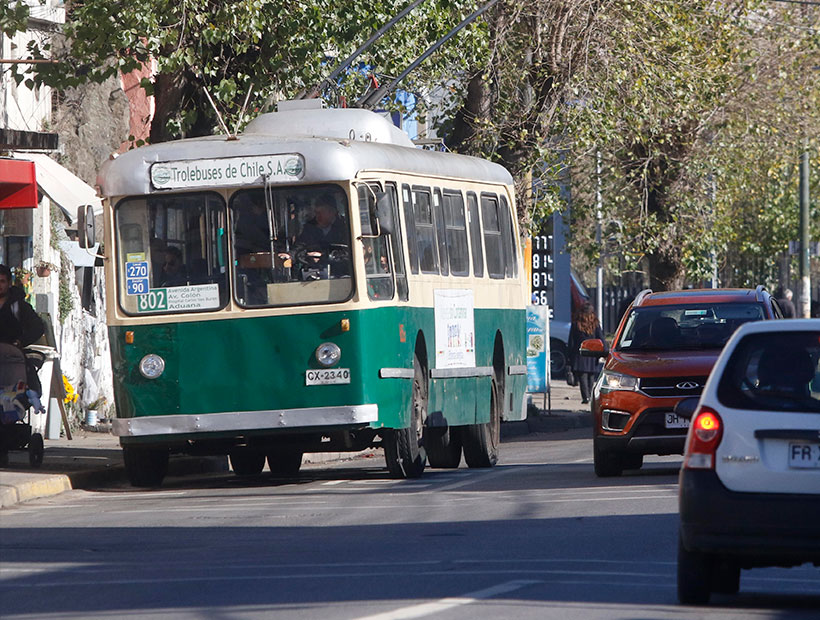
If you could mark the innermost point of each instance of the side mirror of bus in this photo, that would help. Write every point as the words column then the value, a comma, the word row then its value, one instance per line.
column 384, row 212
column 86, row 236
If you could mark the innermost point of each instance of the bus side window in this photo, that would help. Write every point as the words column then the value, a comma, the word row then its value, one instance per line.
column 511, row 262
column 396, row 244
column 456, row 233
column 441, row 235
column 492, row 235
column 475, row 235
column 410, row 222
column 425, row 233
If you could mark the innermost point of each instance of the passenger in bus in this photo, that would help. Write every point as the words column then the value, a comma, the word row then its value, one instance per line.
column 173, row 268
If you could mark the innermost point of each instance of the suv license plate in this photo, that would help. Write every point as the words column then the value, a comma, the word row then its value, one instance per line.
column 327, row 376
column 675, row 421
column 804, row 455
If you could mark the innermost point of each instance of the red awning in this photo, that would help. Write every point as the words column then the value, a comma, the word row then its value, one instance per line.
column 18, row 185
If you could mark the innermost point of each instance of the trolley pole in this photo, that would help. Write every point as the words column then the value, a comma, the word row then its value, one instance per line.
column 805, row 272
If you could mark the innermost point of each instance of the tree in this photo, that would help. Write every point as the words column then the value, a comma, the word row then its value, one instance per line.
column 272, row 48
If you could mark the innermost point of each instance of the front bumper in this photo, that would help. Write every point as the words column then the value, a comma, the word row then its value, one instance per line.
column 647, row 434
column 759, row 529
column 291, row 419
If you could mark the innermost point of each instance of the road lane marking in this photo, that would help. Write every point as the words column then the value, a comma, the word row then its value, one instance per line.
column 428, row 609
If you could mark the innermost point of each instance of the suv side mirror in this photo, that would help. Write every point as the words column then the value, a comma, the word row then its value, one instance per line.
column 86, row 235
column 592, row 347
column 686, row 407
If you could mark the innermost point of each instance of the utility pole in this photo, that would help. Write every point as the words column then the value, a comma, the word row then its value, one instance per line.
column 805, row 272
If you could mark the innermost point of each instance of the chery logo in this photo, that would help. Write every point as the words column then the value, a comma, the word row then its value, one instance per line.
column 687, row 385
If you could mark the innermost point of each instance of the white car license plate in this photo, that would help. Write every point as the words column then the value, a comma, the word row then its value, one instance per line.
column 327, row 376
column 804, row 455
column 675, row 421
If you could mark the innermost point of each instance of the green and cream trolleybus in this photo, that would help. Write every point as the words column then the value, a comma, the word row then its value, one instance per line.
column 316, row 283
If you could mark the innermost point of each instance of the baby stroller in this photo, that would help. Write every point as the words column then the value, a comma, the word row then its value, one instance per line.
column 17, row 402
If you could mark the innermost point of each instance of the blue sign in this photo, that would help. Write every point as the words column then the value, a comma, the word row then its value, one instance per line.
column 136, row 278
column 538, row 349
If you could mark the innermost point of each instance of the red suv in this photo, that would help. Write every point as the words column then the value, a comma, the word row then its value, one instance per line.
column 663, row 351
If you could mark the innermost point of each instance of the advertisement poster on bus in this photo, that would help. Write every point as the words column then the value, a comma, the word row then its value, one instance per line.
column 538, row 353
column 455, row 329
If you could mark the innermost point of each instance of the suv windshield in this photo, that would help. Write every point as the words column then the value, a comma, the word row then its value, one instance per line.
column 774, row 371
column 685, row 326
column 291, row 245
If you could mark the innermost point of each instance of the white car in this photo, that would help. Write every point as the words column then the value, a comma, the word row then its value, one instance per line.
column 750, row 481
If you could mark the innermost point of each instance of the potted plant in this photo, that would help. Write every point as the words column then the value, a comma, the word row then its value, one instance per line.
column 44, row 268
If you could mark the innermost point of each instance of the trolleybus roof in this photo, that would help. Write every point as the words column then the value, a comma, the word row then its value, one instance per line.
column 336, row 144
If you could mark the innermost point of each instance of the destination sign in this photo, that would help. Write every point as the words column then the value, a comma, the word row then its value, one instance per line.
column 227, row 171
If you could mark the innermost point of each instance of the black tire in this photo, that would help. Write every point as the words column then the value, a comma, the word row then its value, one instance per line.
column 145, row 467
column 480, row 441
column 285, row 463
column 608, row 464
column 443, row 446
column 404, row 451
column 632, row 461
column 558, row 359
column 247, row 462
column 694, row 576
column 726, row 577
column 36, row 450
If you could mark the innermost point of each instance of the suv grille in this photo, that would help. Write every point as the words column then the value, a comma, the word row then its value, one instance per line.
column 672, row 386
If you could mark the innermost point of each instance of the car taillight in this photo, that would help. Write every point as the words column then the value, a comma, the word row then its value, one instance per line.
column 707, row 431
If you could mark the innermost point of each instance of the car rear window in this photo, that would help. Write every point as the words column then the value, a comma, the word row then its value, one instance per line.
column 775, row 371
column 685, row 326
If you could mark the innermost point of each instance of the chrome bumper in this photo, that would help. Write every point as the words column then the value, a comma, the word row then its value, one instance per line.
column 244, row 420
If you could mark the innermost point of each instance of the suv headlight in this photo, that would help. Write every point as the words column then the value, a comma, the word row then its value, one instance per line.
column 611, row 381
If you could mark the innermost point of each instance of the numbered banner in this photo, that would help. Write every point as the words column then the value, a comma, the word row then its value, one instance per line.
column 179, row 299
column 136, row 278
column 538, row 349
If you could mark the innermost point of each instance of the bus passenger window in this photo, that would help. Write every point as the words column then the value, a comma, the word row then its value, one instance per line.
column 456, row 233
column 396, row 244
column 410, row 221
column 475, row 235
column 492, row 236
column 511, row 262
column 441, row 235
column 425, row 233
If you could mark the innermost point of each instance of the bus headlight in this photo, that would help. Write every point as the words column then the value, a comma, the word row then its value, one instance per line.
column 152, row 366
column 328, row 354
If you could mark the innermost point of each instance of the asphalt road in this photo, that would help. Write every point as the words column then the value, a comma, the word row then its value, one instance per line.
column 538, row 536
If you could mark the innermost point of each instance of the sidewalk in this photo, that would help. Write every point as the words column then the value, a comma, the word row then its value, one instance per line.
column 93, row 458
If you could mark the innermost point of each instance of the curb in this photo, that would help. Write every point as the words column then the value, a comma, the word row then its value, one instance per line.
column 547, row 423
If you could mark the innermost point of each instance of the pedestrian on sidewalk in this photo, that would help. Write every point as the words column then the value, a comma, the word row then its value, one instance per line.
column 585, row 325
column 19, row 324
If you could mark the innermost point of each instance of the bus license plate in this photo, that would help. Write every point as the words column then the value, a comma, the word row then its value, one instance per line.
column 675, row 421
column 804, row 455
column 327, row 376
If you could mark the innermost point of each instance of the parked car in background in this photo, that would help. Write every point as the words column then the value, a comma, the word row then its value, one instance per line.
column 560, row 326
column 750, row 482
column 663, row 351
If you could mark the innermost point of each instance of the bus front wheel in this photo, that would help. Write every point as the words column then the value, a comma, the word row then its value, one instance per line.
column 145, row 467
column 403, row 447
column 285, row 463
column 480, row 441
column 247, row 462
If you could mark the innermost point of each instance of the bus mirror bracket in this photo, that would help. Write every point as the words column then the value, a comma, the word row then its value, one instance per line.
column 384, row 213
column 86, row 235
